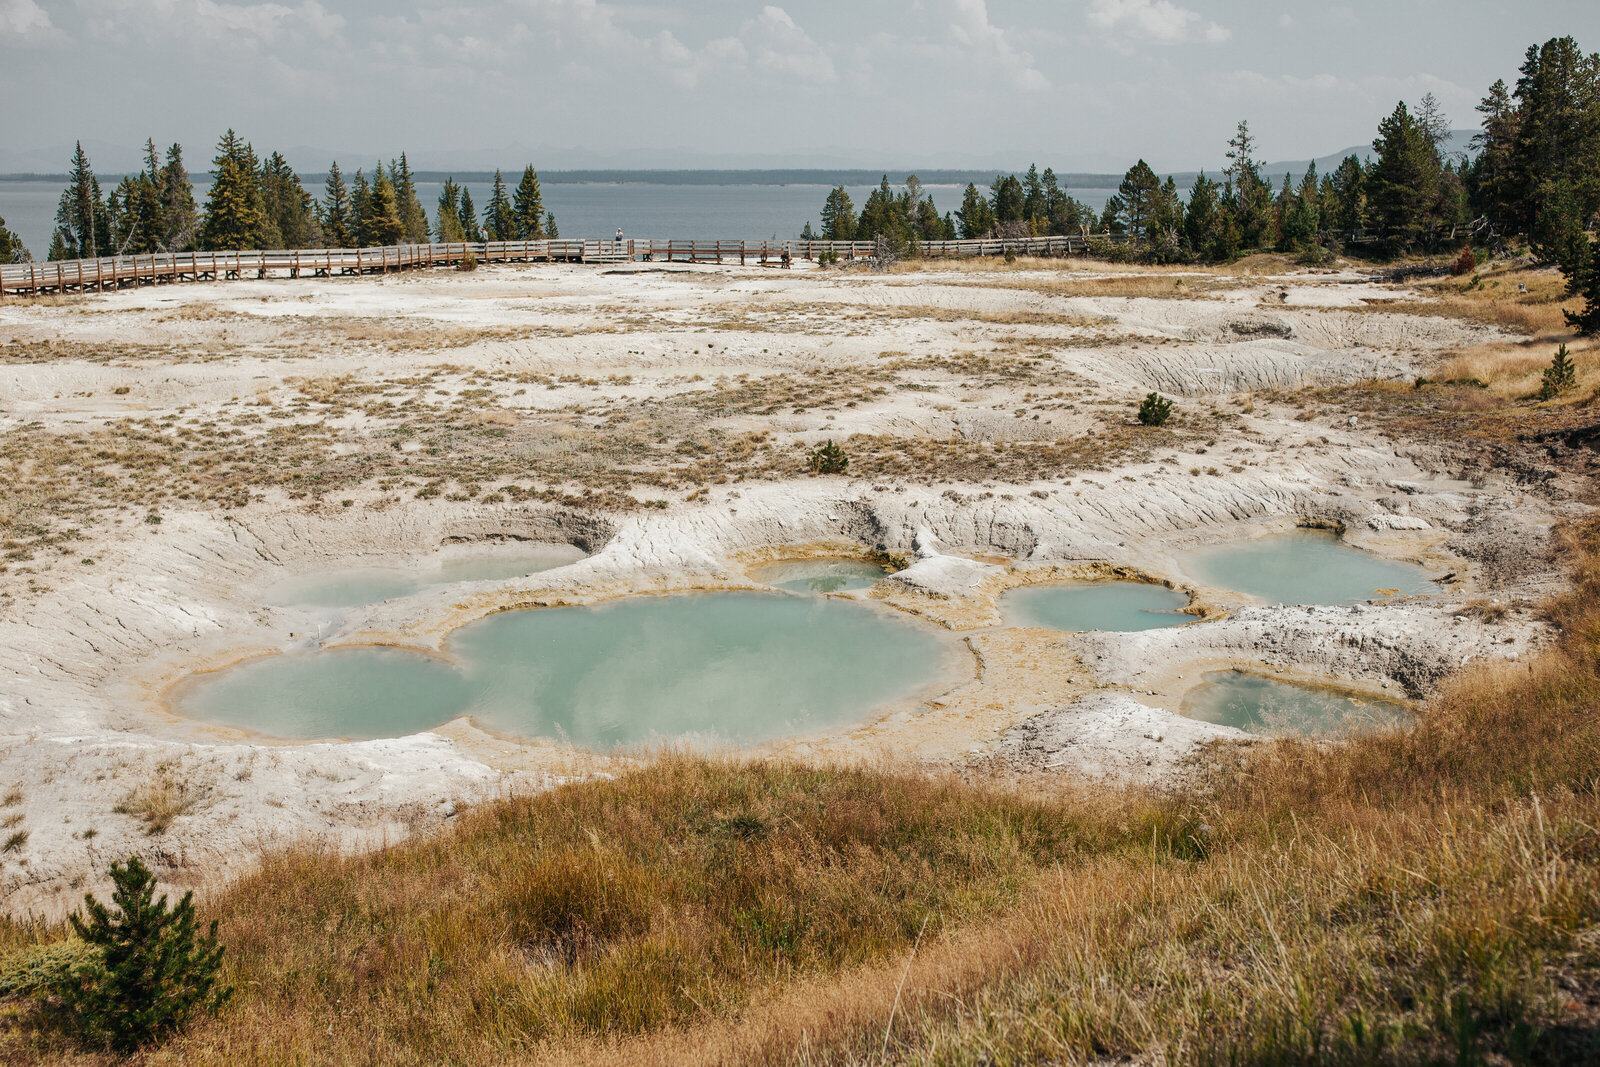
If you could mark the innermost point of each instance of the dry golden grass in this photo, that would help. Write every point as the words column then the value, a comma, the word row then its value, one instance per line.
column 161, row 798
column 1524, row 301
column 1515, row 371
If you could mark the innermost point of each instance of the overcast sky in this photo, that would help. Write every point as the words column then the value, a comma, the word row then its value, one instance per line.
column 1081, row 85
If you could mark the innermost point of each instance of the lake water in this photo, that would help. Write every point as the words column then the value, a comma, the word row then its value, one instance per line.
column 1261, row 705
column 355, row 586
column 1120, row 607
column 750, row 212
column 724, row 667
column 1303, row 567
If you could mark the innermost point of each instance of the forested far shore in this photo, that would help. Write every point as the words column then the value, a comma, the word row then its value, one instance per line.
column 1534, row 174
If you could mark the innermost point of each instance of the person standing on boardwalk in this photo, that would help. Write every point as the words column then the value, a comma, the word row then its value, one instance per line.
column 619, row 237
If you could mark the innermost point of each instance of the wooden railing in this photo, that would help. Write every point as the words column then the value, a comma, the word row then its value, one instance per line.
column 116, row 272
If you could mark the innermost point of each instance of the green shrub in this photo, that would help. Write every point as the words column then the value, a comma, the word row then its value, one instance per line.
column 1155, row 410
column 468, row 262
column 146, row 971
column 1559, row 377
column 829, row 459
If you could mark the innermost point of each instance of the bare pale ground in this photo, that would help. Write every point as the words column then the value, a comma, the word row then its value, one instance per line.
column 168, row 454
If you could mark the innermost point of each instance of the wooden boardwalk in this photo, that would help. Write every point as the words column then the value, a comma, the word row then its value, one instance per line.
column 118, row 272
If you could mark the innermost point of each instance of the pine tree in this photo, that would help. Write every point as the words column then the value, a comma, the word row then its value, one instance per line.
column 11, row 249
column 1247, row 193
column 1584, row 280
column 1404, row 183
column 550, row 229
column 1033, row 199
column 123, row 208
column 468, row 216
column 1006, row 199
column 412, row 217
column 1493, row 172
column 334, row 213
column 499, row 221
column 150, row 235
column 1302, row 214
column 447, row 223
column 806, row 233
column 150, row 969
column 527, row 207
column 288, row 219
column 360, row 209
column 82, row 221
column 974, row 215
column 1138, row 192
column 838, row 216
column 233, row 208
column 1347, row 209
column 180, row 218
column 882, row 214
column 1433, row 124
column 1200, row 220
column 383, row 224
column 1557, row 129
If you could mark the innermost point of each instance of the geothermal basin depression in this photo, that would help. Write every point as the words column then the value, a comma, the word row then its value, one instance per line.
column 330, row 559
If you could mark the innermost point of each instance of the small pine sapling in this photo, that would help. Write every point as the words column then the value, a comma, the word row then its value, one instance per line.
column 829, row 459
column 1155, row 410
column 1559, row 377
column 149, row 969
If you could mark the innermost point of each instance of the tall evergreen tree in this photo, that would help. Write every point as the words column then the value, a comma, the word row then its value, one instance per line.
column 11, row 249
column 288, row 212
column 838, row 216
column 383, row 225
column 527, row 207
column 499, row 220
column 233, row 208
column 1138, row 192
column 1302, row 214
column 1347, row 207
column 1200, row 224
column 180, row 217
column 446, row 221
column 1034, row 209
column 1247, row 193
column 1007, row 199
column 334, row 212
column 1433, row 124
column 468, row 216
column 123, row 208
column 412, row 217
column 1584, row 280
column 974, row 215
column 1404, row 183
column 1558, row 128
column 360, row 209
column 82, row 221
column 883, row 213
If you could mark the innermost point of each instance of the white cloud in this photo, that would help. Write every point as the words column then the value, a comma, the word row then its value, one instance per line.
column 977, row 37
column 780, row 45
column 1157, row 21
column 23, row 22
column 212, row 20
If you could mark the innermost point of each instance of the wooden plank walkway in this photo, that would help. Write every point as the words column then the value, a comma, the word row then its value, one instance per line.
column 117, row 272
